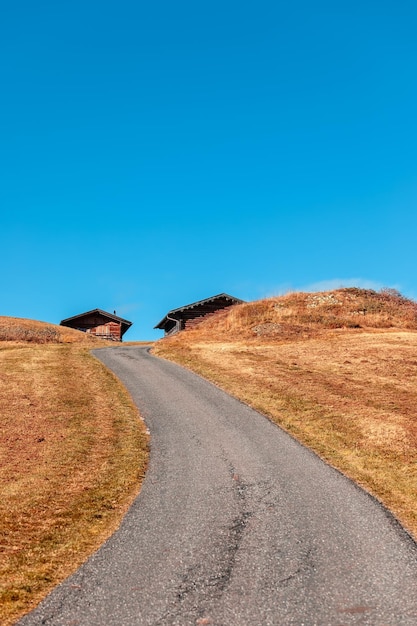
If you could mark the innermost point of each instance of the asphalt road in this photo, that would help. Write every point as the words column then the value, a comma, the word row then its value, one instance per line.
column 236, row 525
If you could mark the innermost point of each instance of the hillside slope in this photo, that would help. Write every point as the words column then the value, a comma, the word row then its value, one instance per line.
column 73, row 452
column 338, row 370
column 32, row 331
column 304, row 315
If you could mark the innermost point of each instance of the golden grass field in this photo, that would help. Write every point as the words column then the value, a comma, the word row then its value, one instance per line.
column 337, row 370
column 73, row 452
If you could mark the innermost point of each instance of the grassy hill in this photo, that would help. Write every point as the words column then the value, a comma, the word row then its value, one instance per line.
column 337, row 370
column 73, row 452
column 20, row 330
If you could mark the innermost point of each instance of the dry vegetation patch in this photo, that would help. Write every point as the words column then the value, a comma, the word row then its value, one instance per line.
column 32, row 331
column 346, row 389
column 73, row 452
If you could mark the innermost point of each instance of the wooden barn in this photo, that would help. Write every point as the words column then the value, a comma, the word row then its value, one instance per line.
column 191, row 314
column 99, row 323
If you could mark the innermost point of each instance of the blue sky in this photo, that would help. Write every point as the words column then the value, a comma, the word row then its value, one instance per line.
column 157, row 153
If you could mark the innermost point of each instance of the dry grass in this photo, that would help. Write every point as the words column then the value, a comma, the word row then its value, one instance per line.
column 338, row 370
column 305, row 315
column 73, row 451
column 32, row 331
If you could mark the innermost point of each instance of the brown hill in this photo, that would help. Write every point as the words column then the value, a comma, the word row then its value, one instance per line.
column 306, row 315
column 31, row 331
column 73, row 452
column 337, row 369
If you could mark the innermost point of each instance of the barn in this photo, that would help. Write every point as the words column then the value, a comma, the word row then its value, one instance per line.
column 190, row 314
column 99, row 323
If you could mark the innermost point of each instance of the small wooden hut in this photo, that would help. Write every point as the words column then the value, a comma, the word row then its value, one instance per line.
column 99, row 323
column 191, row 314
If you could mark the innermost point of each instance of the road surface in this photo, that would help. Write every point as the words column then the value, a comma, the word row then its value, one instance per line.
column 236, row 525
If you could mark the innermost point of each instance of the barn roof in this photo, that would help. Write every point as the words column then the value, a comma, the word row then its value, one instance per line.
column 197, row 309
column 70, row 321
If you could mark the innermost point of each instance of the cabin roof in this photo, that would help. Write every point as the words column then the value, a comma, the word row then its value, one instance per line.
column 125, row 324
column 111, row 316
column 196, row 309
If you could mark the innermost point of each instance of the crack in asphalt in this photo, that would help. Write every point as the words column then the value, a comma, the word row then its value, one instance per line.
column 204, row 583
column 306, row 565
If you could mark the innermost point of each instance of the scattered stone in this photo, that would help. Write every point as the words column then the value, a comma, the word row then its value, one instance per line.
column 266, row 329
column 315, row 300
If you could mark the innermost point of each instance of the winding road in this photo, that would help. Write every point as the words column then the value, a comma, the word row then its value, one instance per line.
column 236, row 525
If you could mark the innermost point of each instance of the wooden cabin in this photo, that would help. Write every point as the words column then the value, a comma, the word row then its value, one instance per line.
column 99, row 323
column 191, row 314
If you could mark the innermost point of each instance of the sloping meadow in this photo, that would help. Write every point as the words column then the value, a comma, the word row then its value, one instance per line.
column 337, row 370
column 305, row 315
column 73, row 453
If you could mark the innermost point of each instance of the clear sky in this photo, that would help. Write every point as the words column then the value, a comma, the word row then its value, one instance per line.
column 157, row 153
